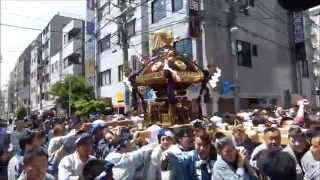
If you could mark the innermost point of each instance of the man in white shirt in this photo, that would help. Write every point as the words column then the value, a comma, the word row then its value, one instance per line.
column 127, row 162
column 71, row 166
column 35, row 165
column 166, row 139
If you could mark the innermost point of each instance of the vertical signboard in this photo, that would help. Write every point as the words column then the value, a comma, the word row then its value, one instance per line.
column 90, row 69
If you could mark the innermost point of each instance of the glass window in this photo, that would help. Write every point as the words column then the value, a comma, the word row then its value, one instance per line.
column 255, row 50
column 158, row 10
column 177, row 5
column 131, row 28
column 104, row 43
column 73, row 33
column 184, row 47
column 120, row 73
column 65, row 38
column 244, row 53
column 103, row 10
column 105, row 77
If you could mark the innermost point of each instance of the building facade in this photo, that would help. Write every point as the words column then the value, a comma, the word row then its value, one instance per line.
column 73, row 48
column 23, row 79
column 249, row 40
column 313, row 50
column 12, row 103
column 57, row 51
column 4, row 103
column 109, row 54
column 35, row 75
column 51, row 45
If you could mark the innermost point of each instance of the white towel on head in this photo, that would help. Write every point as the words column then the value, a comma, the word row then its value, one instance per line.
column 154, row 130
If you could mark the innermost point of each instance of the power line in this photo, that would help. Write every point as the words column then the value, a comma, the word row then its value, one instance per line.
column 28, row 28
column 29, row 17
column 113, row 34
column 219, row 10
column 270, row 13
column 262, row 37
column 138, row 5
column 267, row 25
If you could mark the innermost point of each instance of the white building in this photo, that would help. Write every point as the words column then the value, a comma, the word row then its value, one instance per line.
column 35, row 75
column 51, row 44
column 262, row 45
column 4, row 103
column 55, row 68
column 109, row 53
column 313, row 50
column 73, row 48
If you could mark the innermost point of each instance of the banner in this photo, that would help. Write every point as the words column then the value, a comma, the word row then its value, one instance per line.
column 90, row 28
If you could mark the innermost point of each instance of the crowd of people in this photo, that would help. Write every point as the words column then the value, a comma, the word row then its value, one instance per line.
column 69, row 150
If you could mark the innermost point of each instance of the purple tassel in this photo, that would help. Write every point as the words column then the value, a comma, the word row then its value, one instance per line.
column 135, row 92
column 170, row 88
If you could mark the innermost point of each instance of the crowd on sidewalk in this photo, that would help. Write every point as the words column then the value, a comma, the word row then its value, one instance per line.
column 93, row 149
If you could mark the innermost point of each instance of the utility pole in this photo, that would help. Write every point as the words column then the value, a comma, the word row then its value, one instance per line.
column 122, row 23
column 124, row 36
column 231, row 17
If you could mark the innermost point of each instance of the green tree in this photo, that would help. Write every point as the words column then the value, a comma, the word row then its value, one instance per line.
column 21, row 112
column 85, row 107
column 79, row 91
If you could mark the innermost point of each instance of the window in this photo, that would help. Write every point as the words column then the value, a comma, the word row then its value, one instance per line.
column 101, row 3
column 244, row 53
column 254, row 50
column 72, row 59
column 194, row 6
column 131, row 28
column 184, row 47
column 45, row 45
column 120, row 73
column 100, row 14
column 73, row 33
column 46, row 97
column 65, row 38
column 251, row 3
column 177, row 5
column 104, row 43
column 158, row 10
column 103, row 10
column 57, row 66
column 105, row 77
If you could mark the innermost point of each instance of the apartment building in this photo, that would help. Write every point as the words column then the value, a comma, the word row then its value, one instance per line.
column 35, row 75
column 109, row 55
column 52, row 43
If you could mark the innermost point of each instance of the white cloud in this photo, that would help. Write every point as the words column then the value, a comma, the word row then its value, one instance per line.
column 33, row 14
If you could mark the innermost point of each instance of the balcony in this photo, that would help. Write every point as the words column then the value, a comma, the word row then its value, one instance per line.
column 72, row 25
column 72, row 39
column 75, row 45
column 74, row 69
column 45, row 37
column 45, row 53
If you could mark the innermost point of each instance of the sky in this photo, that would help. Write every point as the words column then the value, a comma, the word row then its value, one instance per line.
column 34, row 14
